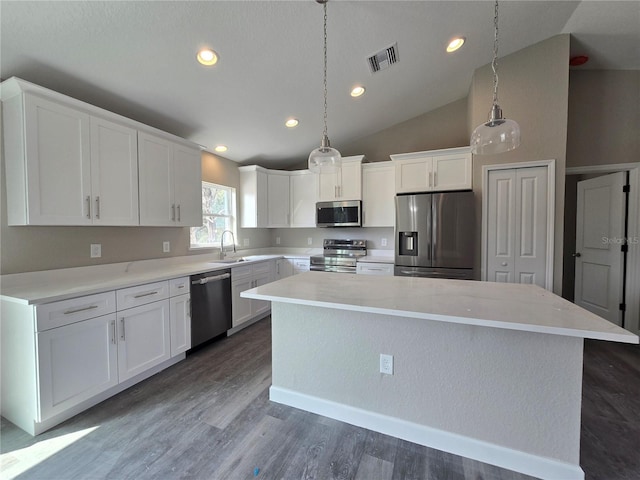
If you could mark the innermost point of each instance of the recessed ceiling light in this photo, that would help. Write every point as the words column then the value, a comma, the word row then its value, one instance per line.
column 207, row 57
column 220, row 148
column 357, row 91
column 455, row 44
column 291, row 122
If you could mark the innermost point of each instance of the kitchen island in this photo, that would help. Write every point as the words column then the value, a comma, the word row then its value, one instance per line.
column 484, row 370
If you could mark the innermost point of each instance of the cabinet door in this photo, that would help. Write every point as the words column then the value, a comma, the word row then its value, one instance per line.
column 114, row 173
column 413, row 175
column 378, row 195
column 284, row 269
column 300, row 265
column 260, row 306
column 58, row 168
column 303, row 198
column 350, row 187
column 155, row 162
column 180, row 319
column 328, row 186
column 187, row 174
column 253, row 198
column 75, row 363
column 452, row 172
column 241, row 307
column 143, row 338
column 278, row 200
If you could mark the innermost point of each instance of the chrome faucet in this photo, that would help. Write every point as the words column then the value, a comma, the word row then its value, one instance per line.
column 222, row 253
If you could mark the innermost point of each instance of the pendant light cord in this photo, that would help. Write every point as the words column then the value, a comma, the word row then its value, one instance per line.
column 325, row 70
column 494, row 63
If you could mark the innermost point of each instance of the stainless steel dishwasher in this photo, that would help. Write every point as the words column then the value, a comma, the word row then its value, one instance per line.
column 210, row 306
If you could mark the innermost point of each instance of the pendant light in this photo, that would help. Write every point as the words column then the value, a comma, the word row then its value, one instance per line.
column 498, row 134
column 325, row 159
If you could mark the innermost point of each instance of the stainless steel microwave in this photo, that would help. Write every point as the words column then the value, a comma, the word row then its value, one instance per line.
column 347, row 213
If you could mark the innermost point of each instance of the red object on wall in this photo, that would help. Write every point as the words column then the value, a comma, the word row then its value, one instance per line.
column 578, row 60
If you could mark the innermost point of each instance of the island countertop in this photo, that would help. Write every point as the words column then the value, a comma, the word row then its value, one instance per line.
column 488, row 304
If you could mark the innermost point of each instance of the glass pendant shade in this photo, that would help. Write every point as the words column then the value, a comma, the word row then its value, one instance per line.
column 325, row 159
column 498, row 135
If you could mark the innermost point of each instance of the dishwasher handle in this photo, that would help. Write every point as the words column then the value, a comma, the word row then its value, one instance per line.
column 215, row 278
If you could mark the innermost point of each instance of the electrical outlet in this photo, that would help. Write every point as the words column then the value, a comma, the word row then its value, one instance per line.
column 277, row 240
column 386, row 364
column 309, row 241
column 245, row 242
column 166, row 247
column 383, row 242
column 96, row 250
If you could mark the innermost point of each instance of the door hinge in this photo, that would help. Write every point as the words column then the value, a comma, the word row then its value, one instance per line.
column 623, row 307
column 626, row 188
column 624, row 248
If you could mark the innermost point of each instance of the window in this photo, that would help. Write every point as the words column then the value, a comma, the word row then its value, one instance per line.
column 218, row 215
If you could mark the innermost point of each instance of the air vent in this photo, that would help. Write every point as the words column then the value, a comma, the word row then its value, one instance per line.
column 383, row 59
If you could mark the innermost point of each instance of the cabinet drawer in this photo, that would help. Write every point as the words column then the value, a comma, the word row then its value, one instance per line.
column 141, row 294
column 262, row 267
column 65, row 312
column 241, row 272
column 178, row 286
column 364, row 268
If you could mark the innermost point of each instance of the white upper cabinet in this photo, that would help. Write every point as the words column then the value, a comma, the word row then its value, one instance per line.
column 345, row 184
column 378, row 194
column 114, row 173
column 48, row 163
column 278, row 199
column 71, row 163
column 302, row 199
column 253, row 197
column 170, row 182
column 436, row 170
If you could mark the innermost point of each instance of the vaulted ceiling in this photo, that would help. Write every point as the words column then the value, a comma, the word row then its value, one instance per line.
column 137, row 58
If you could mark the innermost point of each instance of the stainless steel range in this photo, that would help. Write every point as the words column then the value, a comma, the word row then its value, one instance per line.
column 339, row 256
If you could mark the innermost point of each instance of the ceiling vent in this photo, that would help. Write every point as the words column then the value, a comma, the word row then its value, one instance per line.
column 383, row 59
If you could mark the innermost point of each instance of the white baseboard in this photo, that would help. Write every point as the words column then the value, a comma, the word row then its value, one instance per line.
column 518, row 461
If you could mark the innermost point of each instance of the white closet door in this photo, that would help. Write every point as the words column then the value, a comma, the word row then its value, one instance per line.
column 531, row 229
column 501, row 233
column 517, row 226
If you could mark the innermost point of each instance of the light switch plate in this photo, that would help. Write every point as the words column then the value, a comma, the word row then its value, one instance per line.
column 96, row 250
column 166, row 247
column 309, row 241
column 383, row 242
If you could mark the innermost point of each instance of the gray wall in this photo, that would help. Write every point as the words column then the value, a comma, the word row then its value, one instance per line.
column 533, row 90
column 604, row 117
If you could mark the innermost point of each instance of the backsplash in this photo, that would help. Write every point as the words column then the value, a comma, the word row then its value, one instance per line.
column 300, row 237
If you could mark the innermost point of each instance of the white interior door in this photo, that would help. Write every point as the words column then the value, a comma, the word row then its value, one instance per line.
column 599, row 236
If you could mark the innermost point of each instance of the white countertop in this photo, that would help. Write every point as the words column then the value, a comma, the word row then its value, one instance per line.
column 499, row 305
column 61, row 284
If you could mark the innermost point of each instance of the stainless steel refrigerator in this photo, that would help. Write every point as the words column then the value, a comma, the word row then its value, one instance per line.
column 435, row 235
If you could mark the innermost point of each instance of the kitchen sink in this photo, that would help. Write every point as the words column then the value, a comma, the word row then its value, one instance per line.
column 232, row 260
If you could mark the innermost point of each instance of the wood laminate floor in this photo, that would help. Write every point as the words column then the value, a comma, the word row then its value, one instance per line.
column 209, row 417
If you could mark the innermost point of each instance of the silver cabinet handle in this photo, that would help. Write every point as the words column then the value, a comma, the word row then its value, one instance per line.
column 145, row 294
column 122, row 332
column 178, row 212
column 97, row 207
column 113, row 332
column 504, row 264
column 435, row 178
column 189, row 308
column 180, row 286
column 215, row 278
column 83, row 309
column 88, row 206
column 173, row 212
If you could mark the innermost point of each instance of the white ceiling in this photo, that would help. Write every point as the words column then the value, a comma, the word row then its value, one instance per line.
column 138, row 59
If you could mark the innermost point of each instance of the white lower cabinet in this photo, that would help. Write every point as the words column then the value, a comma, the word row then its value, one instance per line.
column 75, row 363
column 244, row 278
column 283, row 269
column 300, row 265
column 370, row 268
column 143, row 338
column 61, row 358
